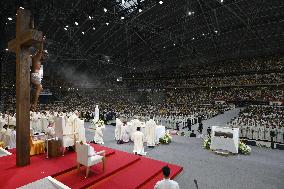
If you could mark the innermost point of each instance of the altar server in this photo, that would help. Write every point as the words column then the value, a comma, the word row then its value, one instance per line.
column 166, row 183
column 125, row 133
column 138, row 139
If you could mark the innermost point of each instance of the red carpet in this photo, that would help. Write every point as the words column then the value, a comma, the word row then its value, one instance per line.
column 75, row 179
column 123, row 171
column 144, row 173
column 12, row 176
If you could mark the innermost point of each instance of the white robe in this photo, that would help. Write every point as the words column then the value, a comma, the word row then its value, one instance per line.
column 117, row 131
column 138, row 139
column 125, row 133
column 99, row 136
column 166, row 184
column 150, row 132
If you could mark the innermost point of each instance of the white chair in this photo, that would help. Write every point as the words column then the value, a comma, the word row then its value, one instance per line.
column 87, row 156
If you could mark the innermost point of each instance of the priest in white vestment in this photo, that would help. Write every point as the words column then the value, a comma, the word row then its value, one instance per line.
column 138, row 139
column 125, row 133
column 99, row 134
column 118, row 125
column 150, row 132
column 166, row 183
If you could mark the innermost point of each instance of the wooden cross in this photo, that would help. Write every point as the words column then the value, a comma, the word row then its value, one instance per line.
column 25, row 38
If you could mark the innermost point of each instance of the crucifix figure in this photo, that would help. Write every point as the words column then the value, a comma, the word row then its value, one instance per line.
column 25, row 38
column 36, row 76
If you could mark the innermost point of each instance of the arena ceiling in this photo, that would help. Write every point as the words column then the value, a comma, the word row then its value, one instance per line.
column 150, row 34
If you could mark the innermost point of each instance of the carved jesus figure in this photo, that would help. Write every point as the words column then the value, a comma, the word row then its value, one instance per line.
column 35, row 75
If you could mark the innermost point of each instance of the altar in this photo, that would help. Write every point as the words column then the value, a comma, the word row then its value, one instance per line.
column 160, row 130
column 225, row 138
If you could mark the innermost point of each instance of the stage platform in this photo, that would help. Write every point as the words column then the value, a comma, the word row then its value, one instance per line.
column 120, row 167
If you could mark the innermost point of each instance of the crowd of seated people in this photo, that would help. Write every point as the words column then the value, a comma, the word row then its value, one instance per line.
column 263, row 123
column 208, row 81
column 241, row 66
column 172, row 98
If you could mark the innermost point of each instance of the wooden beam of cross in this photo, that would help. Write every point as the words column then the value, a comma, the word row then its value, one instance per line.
column 25, row 38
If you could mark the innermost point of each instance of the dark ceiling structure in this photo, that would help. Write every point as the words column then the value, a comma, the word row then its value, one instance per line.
column 149, row 34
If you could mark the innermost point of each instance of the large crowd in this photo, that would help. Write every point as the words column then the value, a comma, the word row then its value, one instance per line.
column 205, row 91
column 263, row 123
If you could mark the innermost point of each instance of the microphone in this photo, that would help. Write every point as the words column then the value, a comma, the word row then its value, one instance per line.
column 195, row 182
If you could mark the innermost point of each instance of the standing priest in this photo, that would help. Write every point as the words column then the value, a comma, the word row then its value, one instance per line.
column 150, row 131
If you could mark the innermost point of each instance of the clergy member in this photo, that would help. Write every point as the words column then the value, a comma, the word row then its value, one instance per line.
column 118, row 125
column 150, row 132
column 166, row 183
column 138, row 139
column 98, row 139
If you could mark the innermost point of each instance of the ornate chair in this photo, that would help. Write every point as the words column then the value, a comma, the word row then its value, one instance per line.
column 36, row 146
column 87, row 156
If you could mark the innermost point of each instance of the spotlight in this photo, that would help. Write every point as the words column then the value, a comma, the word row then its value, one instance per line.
column 9, row 18
column 90, row 17
column 203, row 34
column 105, row 10
column 6, row 49
column 107, row 23
column 193, row 38
column 76, row 23
column 221, row 1
column 65, row 29
column 122, row 18
column 94, row 28
column 66, row 26
column 190, row 13
column 83, row 33
column 174, row 44
column 161, row 2
column 216, row 31
column 22, row 8
column 140, row 10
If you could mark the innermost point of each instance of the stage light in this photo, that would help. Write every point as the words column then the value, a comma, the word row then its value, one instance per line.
column 164, row 47
column 174, row 44
column 203, row 34
column 94, row 28
column 140, row 10
column 6, row 49
column 190, row 13
column 105, row 10
column 221, row 1
column 161, row 2
column 76, row 23
column 83, row 33
column 60, row 87
column 65, row 29
column 90, row 17
column 122, row 18
column 66, row 26
column 22, row 8
column 107, row 23
column 216, row 31
column 193, row 38
column 9, row 18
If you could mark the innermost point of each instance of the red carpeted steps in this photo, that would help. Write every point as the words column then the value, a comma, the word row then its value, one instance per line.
column 114, row 163
column 139, row 174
